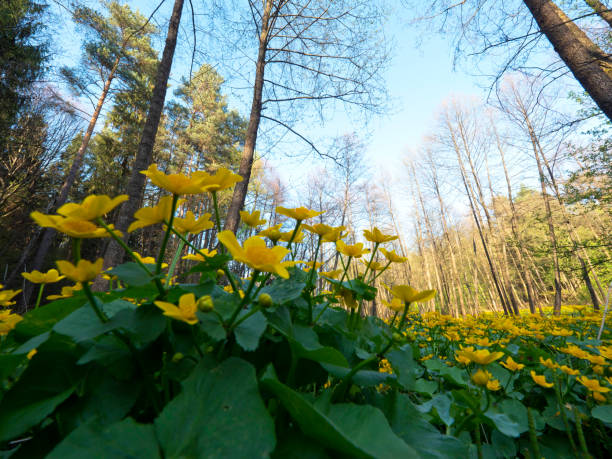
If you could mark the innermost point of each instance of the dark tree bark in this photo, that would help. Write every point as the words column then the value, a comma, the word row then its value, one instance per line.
column 588, row 63
column 602, row 10
column 144, row 155
column 246, row 163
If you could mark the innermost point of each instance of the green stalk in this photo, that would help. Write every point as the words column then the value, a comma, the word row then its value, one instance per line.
column 177, row 254
column 404, row 314
column 225, row 269
column 40, row 292
column 533, row 436
column 381, row 271
column 393, row 319
column 564, row 417
column 365, row 274
column 312, row 273
column 93, row 303
column 246, row 316
column 478, row 440
column 341, row 389
column 244, row 300
column 129, row 251
column 162, row 249
column 295, row 230
column 581, row 439
column 216, row 207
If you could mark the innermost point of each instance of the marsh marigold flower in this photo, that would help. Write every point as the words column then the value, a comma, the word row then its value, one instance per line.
column 332, row 274
column 148, row 216
column 299, row 213
column 174, row 183
column 84, row 271
column 393, row 257
column 480, row 356
column 36, row 277
column 540, row 380
column 481, row 377
column 222, row 179
column 200, row 256
column 185, row 311
column 67, row 292
column 73, row 227
column 92, row 207
column 376, row 236
column 395, row 304
column 493, row 385
column 6, row 296
column 511, row 365
column 273, row 233
column 8, row 320
column 355, row 250
column 592, row 384
column 411, row 295
column 256, row 254
column 251, row 218
column 189, row 223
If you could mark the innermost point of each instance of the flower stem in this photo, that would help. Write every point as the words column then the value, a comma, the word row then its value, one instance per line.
column 93, row 303
column 40, row 292
column 162, row 249
column 216, row 207
column 533, row 436
column 564, row 417
column 244, row 300
column 295, row 230
column 177, row 254
column 404, row 314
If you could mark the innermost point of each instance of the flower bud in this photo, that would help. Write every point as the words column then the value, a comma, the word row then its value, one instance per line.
column 205, row 304
column 397, row 337
column 176, row 358
column 220, row 273
column 265, row 300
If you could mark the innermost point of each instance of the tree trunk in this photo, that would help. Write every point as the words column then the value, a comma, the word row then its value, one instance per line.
column 602, row 10
column 144, row 155
column 588, row 63
column 246, row 163
column 49, row 233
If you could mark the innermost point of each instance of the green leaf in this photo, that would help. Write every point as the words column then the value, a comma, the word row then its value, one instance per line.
column 454, row 375
column 358, row 287
column 355, row 430
column 442, row 403
column 504, row 424
column 247, row 333
column 211, row 263
column 404, row 366
column 82, row 324
column 40, row 320
column 504, row 446
column 408, row 423
column 284, row 290
column 132, row 274
column 143, row 324
column 126, row 439
column 517, row 412
column 212, row 326
column 296, row 445
column 219, row 413
column 423, row 386
column 9, row 364
column 603, row 413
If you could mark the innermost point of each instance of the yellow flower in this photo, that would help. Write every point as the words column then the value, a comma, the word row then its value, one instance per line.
column 596, row 359
column 148, row 216
column 198, row 257
column 568, row 371
column 92, row 207
column 377, row 236
column 174, row 183
column 598, row 397
column 393, row 257
column 6, row 296
column 273, row 233
column 31, row 354
column 332, row 274
column 189, row 224
column 540, row 380
column 148, row 260
column 299, row 213
column 480, row 356
column 256, row 254
column 36, row 277
column 411, row 295
column 334, row 235
column 462, row 359
column 493, row 385
column 186, row 310
column 73, row 227
column 221, row 180
column 309, row 265
column 606, row 351
column 251, row 218
column 592, row 384
column 84, row 271
column 8, row 320
column 320, row 229
column 548, row 363
column 511, row 365
column 481, row 377
column 373, row 265
column 355, row 250
column 286, row 236
column 348, row 299
column 598, row 369
column 67, row 292
column 395, row 304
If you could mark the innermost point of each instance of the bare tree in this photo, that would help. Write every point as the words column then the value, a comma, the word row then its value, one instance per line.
column 309, row 54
